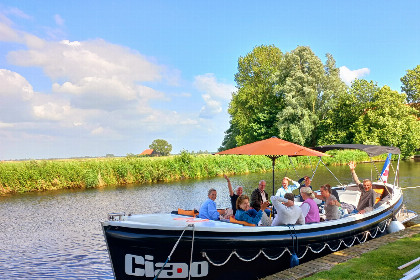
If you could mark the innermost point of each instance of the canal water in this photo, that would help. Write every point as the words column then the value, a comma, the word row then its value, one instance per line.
column 58, row 235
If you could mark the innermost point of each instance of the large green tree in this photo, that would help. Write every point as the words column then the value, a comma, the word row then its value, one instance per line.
column 337, row 124
column 281, row 95
column 411, row 85
column 162, row 147
column 388, row 121
column 309, row 88
column 368, row 114
column 254, row 106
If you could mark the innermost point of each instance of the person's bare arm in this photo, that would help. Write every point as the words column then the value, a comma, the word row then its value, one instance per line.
column 352, row 166
column 320, row 197
column 229, row 185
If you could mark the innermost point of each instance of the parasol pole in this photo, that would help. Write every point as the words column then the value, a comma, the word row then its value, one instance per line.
column 273, row 158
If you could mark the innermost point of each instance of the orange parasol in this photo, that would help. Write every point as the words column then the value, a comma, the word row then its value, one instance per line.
column 273, row 148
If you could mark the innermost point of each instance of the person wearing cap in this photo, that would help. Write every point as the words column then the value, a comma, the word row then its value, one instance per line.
column 309, row 207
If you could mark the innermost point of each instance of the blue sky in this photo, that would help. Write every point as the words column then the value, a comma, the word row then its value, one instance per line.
column 90, row 78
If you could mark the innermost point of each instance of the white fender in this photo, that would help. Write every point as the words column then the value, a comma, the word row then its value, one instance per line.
column 395, row 226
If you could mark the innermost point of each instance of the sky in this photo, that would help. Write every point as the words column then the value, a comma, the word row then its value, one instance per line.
column 91, row 78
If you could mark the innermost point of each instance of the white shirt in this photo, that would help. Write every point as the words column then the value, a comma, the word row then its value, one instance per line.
column 286, row 215
column 281, row 192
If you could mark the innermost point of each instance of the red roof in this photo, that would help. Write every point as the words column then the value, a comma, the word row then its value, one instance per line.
column 147, row 152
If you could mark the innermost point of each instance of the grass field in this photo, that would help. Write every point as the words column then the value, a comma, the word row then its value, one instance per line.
column 379, row 264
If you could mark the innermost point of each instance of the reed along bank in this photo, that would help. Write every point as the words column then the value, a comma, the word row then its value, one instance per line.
column 41, row 175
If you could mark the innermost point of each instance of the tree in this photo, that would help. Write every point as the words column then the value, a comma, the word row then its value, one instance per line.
column 309, row 89
column 411, row 85
column 281, row 95
column 254, row 106
column 229, row 140
column 337, row 124
column 389, row 121
column 160, row 146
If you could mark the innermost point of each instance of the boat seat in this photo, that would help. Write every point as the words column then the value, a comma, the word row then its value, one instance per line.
column 187, row 212
column 379, row 193
column 349, row 196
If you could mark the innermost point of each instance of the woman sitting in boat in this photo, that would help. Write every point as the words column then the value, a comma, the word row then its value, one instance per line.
column 208, row 210
column 331, row 203
column 309, row 207
column 245, row 213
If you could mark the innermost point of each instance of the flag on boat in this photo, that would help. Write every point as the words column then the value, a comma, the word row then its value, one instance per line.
column 385, row 169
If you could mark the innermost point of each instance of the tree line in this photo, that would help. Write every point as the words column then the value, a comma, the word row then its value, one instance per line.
column 297, row 97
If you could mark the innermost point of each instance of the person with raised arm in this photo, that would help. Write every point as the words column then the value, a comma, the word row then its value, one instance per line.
column 234, row 194
column 367, row 196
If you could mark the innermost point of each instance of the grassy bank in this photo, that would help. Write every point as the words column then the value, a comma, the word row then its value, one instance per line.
column 39, row 175
column 379, row 264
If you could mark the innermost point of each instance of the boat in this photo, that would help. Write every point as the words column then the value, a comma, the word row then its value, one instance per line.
column 179, row 245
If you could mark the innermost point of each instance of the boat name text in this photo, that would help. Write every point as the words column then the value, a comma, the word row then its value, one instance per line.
column 144, row 266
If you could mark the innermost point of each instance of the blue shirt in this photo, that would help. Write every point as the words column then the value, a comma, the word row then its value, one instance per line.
column 281, row 192
column 208, row 210
column 242, row 215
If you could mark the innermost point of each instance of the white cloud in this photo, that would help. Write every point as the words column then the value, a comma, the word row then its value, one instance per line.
column 74, row 61
column 51, row 111
column 99, row 91
column 14, row 86
column 7, row 33
column 59, row 20
column 208, row 84
column 17, row 13
column 211, row 108
column 214, row 94
column 348, row 76
column 4, row 125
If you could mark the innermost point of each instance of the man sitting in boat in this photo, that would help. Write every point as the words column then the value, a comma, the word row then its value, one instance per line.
column 368, row 195
column 245, row 213
column 259, row 196
column 209, row 210
column 285, row 187
column 287, row 212
column 309, row 207
column 234, row 194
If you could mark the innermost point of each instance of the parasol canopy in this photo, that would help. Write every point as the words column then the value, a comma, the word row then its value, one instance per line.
column 273, row 148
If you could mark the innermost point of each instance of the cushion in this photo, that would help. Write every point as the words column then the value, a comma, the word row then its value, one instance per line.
column 235, row 221
column 379, row 194
column 187, row 212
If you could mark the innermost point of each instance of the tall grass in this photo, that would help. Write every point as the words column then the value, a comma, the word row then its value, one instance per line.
column 40, row 175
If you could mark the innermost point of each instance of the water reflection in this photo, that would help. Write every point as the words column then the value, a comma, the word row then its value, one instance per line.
column 57, row 235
